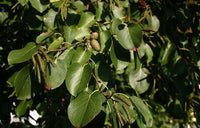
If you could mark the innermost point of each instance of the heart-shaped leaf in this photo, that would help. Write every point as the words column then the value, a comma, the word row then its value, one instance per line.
column 77, row 78
column 138, row 80
column 153, row 22
column 55, row 75
column 22, row 107
column 129, row 35
column 80, row 5
column 50, row 19
column 40, row 5
column 142, row 108
column 166, row 52
column 43, row 36
column 22, row 83
column 81, row 56
column 84, row 108
column 22, row 55
column 87, row 19
column 105, row 40
column 119, row 56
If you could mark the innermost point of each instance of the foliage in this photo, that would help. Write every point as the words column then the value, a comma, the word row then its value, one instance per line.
column 95, row 63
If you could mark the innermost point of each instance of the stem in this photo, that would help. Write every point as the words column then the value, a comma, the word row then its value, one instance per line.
column 63, row 48
column 97, row 81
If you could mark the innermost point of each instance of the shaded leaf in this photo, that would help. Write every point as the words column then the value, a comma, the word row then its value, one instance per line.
column 166, row 52
column 153, row 22
column 105, row 40
column 43, row 36
column 103, row 71
column 22, row 107
column 120, row 57
column 22, row 55
column 22, row 83
column 23, row 2
column 39, row 5
column 142, row 108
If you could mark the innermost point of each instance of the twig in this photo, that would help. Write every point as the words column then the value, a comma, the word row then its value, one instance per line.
column 97, row 81
column 63, row 48
column 145, row 15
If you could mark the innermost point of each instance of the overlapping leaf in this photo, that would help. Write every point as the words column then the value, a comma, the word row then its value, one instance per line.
column 22, row 55
column 129, row 35
column 22, row 83
column 39, row 5
column 81, row 56
column 138, row 80
column 77, row 78
column 55, row 76
column 142, row 108
column 84, row 108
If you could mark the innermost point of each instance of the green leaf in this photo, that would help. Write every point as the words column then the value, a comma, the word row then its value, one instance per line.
column 22, row 55
column 56, row 43
column 129, row 36
column 138, row 80
column 77, row 78
column 100, row 11
column 55, row 76
column 87, row 19
column 81, row 56
column 125, row 107
column 23, row 2
column 145, row 49
column 166, row 52
column 120, row 57
column 3, row 16
column 80, row 5
column 153, row 22
column 22, row 83
column 118, row 12
column 103, row 71
column 40, row 5
column 43, row 36
column 105, row 40
column 141, row 107
column 50, row 19
column 70, row 33
column 22, row 107
column 84, row 108
column 82, row 32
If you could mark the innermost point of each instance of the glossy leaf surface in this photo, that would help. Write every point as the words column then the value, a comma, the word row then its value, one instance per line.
column 22, row 55
column 84, row 108
column 77, row 78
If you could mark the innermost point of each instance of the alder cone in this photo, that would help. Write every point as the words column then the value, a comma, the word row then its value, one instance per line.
column 94, row 35
column 95, row 45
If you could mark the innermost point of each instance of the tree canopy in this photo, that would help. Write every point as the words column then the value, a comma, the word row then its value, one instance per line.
column 100, row 63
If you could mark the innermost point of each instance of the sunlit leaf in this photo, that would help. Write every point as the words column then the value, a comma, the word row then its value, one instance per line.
column 138, row 80
column 84, row 108
column 22, row 55
column 77, row 78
